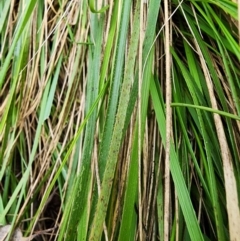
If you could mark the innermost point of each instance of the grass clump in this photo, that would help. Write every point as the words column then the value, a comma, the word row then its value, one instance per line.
column 119, row 120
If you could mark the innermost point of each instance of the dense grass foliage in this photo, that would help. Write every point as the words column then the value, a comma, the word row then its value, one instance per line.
column 120, row 120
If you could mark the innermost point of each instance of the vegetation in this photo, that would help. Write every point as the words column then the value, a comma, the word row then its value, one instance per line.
column 120, row 120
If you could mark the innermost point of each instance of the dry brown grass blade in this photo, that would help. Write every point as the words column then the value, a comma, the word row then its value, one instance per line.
column 140, row 193
column 168, row 121
column 33, row 89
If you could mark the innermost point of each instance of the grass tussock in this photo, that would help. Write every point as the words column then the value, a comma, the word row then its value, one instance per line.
column 119, row 120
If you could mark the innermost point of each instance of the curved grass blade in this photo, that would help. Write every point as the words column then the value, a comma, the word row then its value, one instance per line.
column 93, row 9
column 223, row 113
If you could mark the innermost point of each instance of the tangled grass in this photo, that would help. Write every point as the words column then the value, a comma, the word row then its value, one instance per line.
column 119, row 120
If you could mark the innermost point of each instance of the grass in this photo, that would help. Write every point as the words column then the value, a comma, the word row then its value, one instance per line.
column 119, row 120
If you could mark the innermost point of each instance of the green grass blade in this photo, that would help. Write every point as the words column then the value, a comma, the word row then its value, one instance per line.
column 223, row 113
column 103, row 200
column 181, row 189
column 129, row 216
